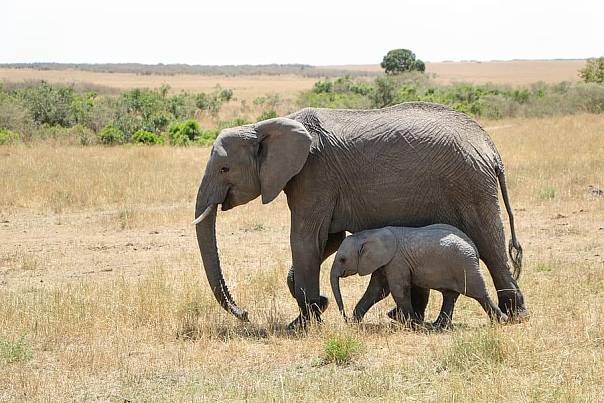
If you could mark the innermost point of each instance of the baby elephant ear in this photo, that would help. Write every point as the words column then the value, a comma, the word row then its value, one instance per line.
column 284, row 145
column 377, row 249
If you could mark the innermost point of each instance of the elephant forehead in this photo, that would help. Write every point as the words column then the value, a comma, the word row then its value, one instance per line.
column 231, row 140
column 235, row 134
column 348, row 245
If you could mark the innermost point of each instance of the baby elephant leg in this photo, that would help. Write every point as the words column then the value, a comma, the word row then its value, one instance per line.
column 446, row 311
column 376, row 291
column 492, row 310
column 404, row 308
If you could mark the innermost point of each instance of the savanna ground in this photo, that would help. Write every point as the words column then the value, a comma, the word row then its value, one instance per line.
column 102, row 295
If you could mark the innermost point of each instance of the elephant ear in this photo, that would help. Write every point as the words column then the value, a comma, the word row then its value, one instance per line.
column 284, row 145
column 376, row 250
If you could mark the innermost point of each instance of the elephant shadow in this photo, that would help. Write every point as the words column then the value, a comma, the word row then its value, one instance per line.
column 381, row 328
column 225, row 331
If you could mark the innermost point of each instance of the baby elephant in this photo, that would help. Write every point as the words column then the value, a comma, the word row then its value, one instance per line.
column 438, row 257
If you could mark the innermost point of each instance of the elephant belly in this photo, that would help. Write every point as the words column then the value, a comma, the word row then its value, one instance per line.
column 399, row 209
column 436, row 277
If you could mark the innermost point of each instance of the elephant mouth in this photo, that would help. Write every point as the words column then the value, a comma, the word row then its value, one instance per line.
column 227, row 203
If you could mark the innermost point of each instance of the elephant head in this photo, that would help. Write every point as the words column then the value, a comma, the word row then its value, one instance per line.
column 361, row 253
column 245, row 162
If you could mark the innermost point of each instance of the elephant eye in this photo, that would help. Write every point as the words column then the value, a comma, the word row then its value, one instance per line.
column 342, row 259
column 224, row 170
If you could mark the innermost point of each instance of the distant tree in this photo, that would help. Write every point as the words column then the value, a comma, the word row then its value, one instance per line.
column 593, row 72
column 400, row 60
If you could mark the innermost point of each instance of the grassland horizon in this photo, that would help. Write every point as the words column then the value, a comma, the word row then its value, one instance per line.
column 515, row 72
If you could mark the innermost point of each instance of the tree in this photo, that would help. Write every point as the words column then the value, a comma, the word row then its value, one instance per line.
column 399, row 60
column 593, row 72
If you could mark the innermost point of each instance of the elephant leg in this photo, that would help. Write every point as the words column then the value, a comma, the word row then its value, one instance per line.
column 376, row 291
column 331, row 246
column 488, row 235
column 446, row 311
column 419, row 302
column 404, row 307
column 307, row 254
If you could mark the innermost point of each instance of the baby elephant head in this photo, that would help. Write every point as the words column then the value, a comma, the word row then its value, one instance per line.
column 362, row 253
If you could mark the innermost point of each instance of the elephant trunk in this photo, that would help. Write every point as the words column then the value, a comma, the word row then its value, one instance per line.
column 205, row 226
column 335, row 287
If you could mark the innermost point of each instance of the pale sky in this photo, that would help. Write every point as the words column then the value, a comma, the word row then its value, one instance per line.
column 318, row 32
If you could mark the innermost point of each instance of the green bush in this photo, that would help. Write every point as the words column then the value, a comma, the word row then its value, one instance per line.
column 207, row 137
column 270, row 101
column 485, row 101
column 385, row 92
column 15, row 117
column 214, row 101
column 322, row 87
column 145, row 137
column 111, row 135
column 48, row 104
column 593, row 72
column 270, row 114
column 333, row 100
column 8, row 137
column 184, row 133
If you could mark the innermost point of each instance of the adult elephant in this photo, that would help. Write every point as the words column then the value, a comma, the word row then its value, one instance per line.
column 411, row 164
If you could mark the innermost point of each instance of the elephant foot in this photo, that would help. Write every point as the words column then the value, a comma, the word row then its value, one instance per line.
column 519, row 316
column 441, row 324
column 354, row 319
column 512, row 305
column 314, row 310
column 411, row 321
column 503, row 318
column 393, row 314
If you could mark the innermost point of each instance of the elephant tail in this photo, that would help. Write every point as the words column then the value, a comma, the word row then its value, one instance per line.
column 514, row 247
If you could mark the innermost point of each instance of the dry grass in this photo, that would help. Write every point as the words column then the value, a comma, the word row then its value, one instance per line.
column 103, row 299
column 244, row 87
column 516, row 72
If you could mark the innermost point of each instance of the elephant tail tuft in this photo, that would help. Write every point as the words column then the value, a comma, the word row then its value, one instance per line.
column 515, row 252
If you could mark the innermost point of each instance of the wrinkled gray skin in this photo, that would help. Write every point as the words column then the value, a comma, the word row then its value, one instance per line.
column 438, row 257
column 412, row 164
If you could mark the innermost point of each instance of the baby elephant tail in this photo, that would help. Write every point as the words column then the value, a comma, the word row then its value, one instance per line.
column 514, row 247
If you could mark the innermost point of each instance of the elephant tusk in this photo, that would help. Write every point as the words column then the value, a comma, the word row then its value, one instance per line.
column 203, row 216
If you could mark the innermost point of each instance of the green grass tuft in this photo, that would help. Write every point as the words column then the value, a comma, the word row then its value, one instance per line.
column 548, row 193
column 14, row 350
column 341, row 350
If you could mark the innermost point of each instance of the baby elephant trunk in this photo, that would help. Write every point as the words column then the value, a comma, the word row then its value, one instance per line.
column 335, row 287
